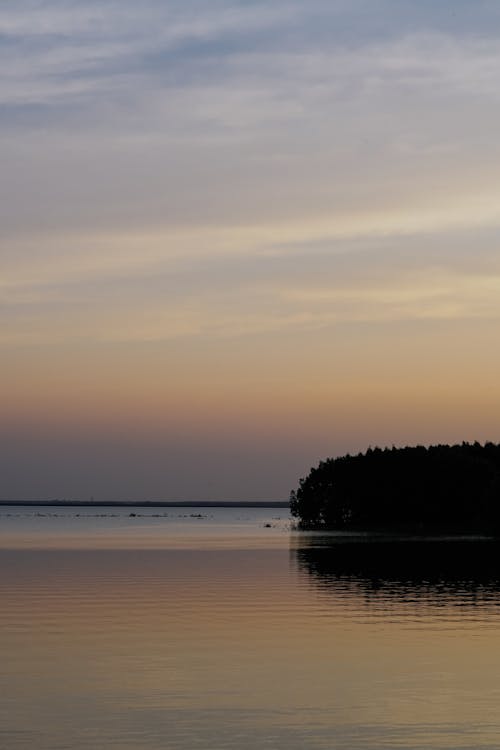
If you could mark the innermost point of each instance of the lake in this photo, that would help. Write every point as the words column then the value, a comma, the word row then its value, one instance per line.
column 214, row 628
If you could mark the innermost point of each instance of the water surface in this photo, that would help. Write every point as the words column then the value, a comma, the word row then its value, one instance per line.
column 223, row 628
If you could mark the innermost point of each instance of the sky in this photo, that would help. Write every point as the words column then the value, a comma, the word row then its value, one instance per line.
column 237, row 238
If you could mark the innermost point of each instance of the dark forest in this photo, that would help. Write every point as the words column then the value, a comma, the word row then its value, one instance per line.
column 438, row 488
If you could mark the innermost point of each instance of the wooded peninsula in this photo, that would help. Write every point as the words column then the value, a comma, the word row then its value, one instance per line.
column 445, row 488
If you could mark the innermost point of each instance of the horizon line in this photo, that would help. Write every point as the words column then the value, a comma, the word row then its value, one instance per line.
column 150, row 503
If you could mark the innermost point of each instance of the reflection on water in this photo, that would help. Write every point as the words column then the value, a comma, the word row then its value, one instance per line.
column 303, row 644
column 137, row 528
column 451, row 572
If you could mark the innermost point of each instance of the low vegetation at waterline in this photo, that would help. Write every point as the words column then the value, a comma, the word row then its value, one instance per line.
column 452, row 488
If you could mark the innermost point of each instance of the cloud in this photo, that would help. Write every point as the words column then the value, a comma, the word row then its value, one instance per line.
column 55, row 51
column 59, row 55
column 231, row 217
column 251, row 289
column 221, row 113
column 229, row 136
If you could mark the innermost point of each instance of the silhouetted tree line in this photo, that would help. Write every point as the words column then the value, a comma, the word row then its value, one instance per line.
column 442, row 487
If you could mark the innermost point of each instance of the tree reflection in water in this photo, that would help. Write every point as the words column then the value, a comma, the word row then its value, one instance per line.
column 440, row 571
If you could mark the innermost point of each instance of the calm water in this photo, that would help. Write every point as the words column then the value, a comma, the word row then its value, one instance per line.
column 211, row 629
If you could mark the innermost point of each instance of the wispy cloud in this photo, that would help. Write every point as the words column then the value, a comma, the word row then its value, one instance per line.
column 109, row 45
column 224, row 180
column 255, row 291
column 219, row 113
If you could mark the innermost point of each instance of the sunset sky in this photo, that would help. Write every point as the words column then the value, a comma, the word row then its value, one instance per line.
column 239, row 237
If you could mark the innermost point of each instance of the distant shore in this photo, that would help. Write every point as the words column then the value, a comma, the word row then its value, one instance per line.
column 146, row 504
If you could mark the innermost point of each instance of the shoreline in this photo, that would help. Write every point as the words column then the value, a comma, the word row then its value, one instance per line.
column 144, row 504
